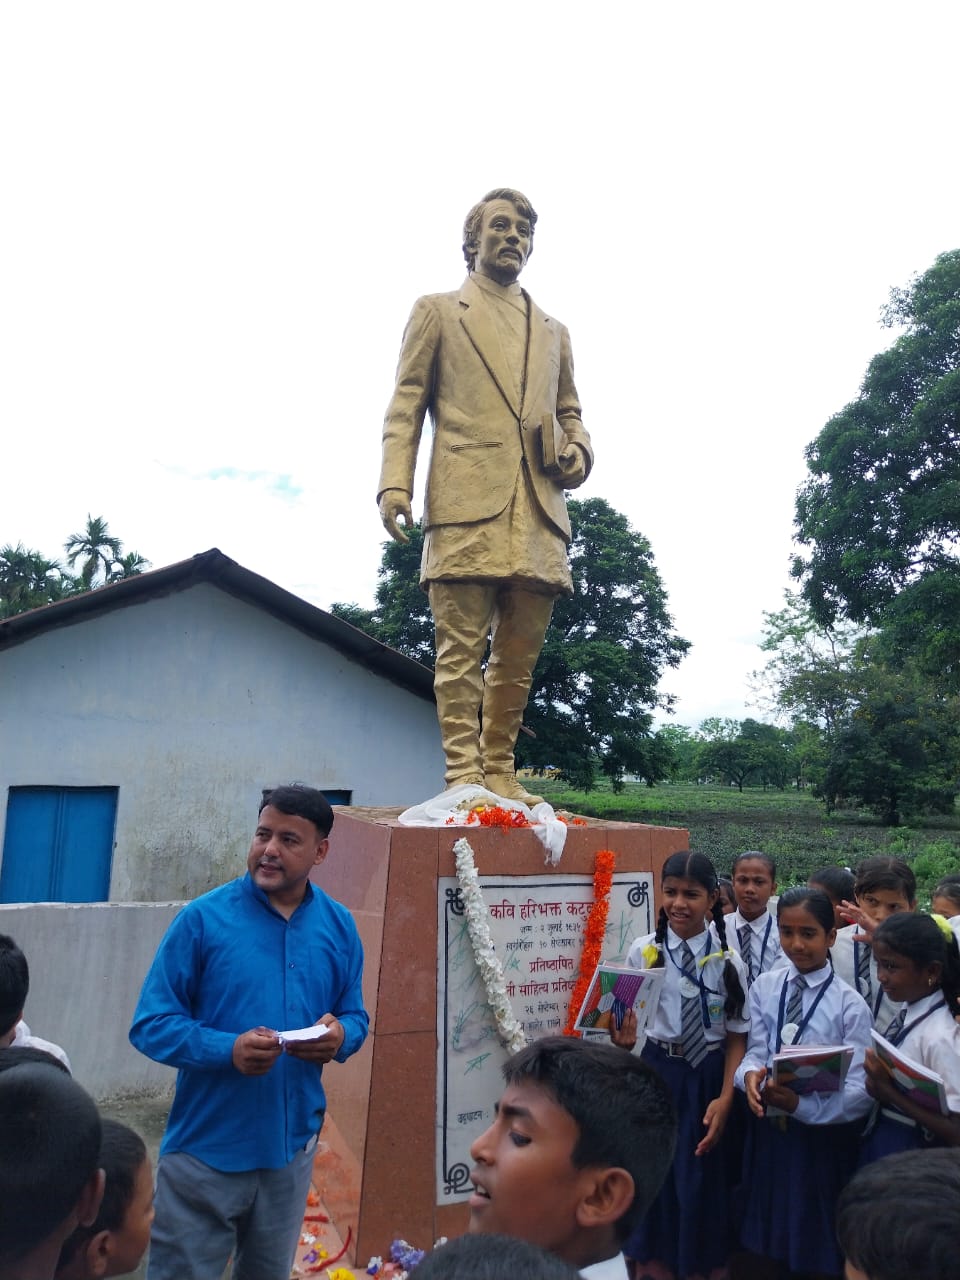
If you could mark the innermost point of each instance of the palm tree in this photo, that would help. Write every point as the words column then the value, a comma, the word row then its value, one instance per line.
column 128, row 566
column 96, row 550
column 28, row 579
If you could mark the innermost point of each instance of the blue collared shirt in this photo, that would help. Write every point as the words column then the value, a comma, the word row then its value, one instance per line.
column 228, row 963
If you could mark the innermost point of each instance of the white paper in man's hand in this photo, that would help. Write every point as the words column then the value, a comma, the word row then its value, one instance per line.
column 303, row 1033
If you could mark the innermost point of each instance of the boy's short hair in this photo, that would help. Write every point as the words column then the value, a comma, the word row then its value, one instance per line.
column 122, row 1152
column 14, row 983
column 493, row 1257
column 621, row 1107
column 885, row 873
column 838, row 882
column 49, row 1151
column 300, row 801
column 899, row 1218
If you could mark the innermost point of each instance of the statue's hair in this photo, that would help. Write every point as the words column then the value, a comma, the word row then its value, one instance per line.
column 474, row 219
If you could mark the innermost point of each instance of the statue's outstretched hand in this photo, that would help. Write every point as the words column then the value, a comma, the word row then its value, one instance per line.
column 394, row 504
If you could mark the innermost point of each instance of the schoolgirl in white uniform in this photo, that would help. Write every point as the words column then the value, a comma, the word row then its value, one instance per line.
column 752, row 929
column 795, row 1164
column 918, row 965
column 883, row 887
column 695, row 1042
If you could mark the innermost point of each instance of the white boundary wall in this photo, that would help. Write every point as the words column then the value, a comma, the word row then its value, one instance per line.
column 87, row 964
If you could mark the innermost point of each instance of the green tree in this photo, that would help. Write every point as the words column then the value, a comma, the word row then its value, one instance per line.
column 96, row 549
column 684, row 746
column 607, row 646
column 724, row 753
column 880, row 513
column 28, row 580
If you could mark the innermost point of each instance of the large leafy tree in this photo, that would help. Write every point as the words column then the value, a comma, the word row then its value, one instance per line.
column 880, row 513
column 595, row 685
column 870, row 725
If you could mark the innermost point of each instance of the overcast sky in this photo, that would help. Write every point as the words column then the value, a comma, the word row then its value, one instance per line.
column 216, row 218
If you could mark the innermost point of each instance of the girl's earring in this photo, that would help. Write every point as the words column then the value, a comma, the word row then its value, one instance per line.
column 929, row 982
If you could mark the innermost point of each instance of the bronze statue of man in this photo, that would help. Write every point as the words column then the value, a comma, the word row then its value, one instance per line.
column 496, row 375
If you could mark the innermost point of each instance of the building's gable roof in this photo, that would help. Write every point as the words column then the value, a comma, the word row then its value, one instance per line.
column 218, row 570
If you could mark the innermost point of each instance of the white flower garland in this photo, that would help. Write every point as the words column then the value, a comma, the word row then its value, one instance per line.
column 484, row 953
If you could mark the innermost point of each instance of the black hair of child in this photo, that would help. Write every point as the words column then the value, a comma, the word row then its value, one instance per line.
column 122, row 1152
column 837, row 882
column 300, row 801
column 14, row 983
column 756, row 855
column 49, row 1152
column 885, row 873
column 811, row 899
column 949, row 888
column 697, row 866
column 899, row 1217
column 920, row 939
column 479, row 1257
column 621, row 1107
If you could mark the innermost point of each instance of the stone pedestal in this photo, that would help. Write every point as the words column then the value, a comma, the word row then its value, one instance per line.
column 377, row 1172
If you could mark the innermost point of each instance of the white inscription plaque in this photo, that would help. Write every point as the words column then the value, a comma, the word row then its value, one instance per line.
column 537, row 928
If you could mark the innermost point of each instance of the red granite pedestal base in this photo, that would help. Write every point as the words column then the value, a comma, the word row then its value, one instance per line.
column 378, row 1171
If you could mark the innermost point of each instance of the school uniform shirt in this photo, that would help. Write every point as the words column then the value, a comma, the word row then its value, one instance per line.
column 845, row 953
column 932, row 1038
column 764, row 939
column 23, row 1038
column 668, row 1020
column 840, row 1016
column 614, row 1268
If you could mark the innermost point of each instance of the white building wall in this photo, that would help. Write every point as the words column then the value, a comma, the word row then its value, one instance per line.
column 190, row 704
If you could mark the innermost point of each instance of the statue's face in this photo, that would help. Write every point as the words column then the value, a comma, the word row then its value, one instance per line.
column 503, row 244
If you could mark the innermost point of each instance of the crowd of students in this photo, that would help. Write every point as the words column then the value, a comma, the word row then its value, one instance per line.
column 684, row 1160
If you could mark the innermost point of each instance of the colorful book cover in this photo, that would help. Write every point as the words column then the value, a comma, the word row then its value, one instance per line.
column 919, row 1083
column 614, row 990
column 812, row 1068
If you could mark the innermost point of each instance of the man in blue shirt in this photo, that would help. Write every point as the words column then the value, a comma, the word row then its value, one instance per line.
column 267, row 953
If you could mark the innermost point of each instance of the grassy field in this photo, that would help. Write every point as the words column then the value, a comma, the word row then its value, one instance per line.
column 789, row 825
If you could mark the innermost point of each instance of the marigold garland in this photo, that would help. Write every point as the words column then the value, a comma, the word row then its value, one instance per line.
column 493, row 815
column 593, row 934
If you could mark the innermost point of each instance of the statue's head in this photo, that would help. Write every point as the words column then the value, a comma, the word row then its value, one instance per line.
column 474, row 220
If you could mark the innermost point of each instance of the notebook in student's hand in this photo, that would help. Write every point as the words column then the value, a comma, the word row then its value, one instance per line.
column 815, row 1068
column 918, row 1083
column 615, row 989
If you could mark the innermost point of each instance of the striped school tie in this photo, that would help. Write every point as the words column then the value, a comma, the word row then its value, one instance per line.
column 864, row 984
column 795, row 1003
column 692, row 1038
column 896, row 1025
column 745, row 937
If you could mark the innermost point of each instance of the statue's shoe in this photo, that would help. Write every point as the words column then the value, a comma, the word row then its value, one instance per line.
column 465, row 780
column 507, row 786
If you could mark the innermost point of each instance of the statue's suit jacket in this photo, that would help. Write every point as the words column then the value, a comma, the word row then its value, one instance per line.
column 485, row 426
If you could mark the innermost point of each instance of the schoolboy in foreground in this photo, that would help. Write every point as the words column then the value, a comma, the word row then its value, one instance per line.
column 50, row 1180
column 114, row 1243
column 899, row 1218
column 266, row 953
column 582, row 1140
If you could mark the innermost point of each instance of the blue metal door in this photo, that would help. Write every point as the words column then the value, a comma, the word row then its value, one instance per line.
column 58, row 844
